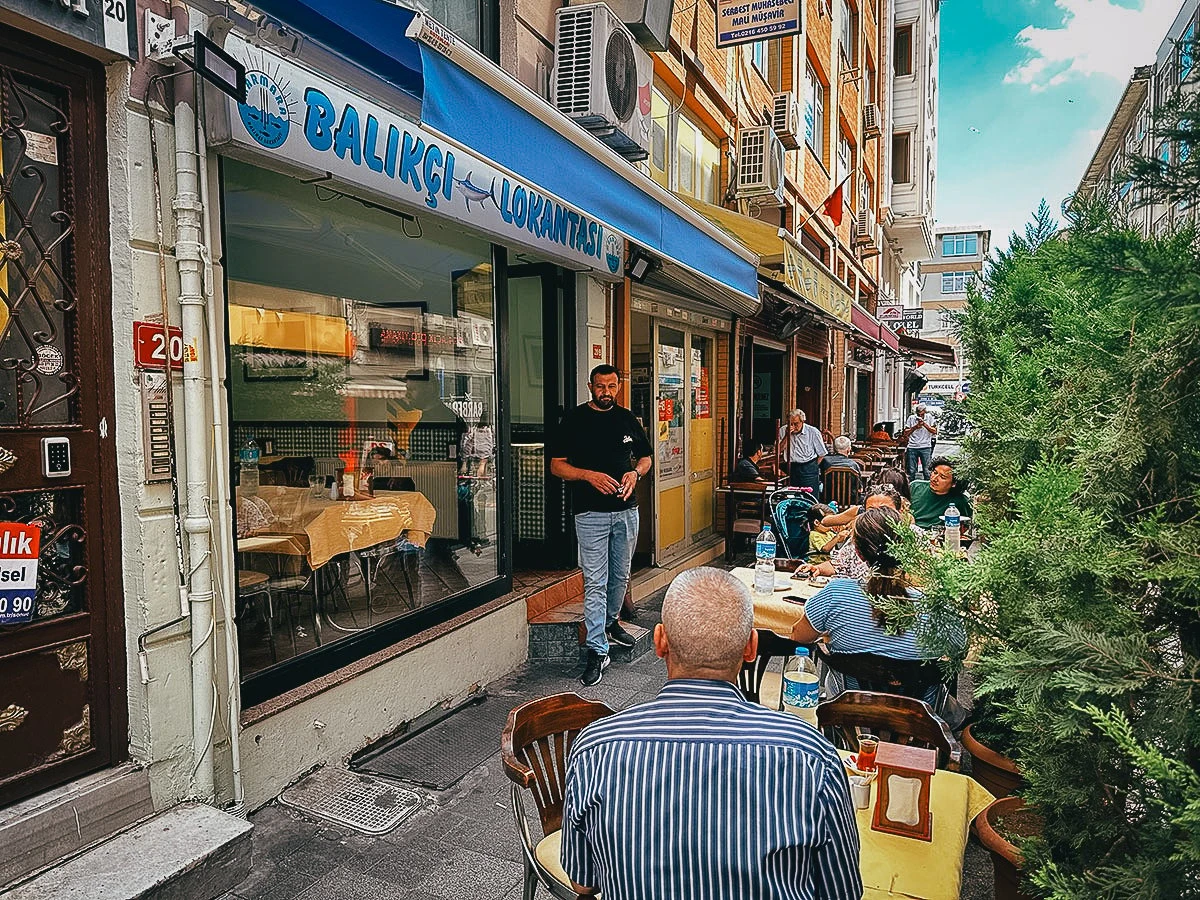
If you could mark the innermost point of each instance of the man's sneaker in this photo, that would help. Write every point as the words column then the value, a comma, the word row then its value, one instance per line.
column 596, row 664
column 619, row 635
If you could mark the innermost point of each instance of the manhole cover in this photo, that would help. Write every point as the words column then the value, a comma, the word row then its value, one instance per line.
column 366, row 804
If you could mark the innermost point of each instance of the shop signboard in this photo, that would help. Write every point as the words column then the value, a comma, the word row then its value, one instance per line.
column 104, row 25
column 814, row 283
column 19, row 548
column 889, row 312
column 914, row 321
column 302, row 120
column 745, row 21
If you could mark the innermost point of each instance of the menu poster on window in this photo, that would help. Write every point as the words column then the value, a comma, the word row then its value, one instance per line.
column 666, row 409
column 19, row 549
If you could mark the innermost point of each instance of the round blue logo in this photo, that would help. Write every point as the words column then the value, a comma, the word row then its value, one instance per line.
column 612, row 252
column 265, row 112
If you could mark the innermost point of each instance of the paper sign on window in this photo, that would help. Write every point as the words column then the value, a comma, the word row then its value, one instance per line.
column 19, row 547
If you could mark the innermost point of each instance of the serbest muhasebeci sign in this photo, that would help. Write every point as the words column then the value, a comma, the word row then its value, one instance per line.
column 746, row 21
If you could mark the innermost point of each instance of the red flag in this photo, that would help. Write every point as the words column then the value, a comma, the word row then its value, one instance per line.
column 833, row 206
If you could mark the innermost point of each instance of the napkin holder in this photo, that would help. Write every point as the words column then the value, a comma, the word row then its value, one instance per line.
column 902, row 795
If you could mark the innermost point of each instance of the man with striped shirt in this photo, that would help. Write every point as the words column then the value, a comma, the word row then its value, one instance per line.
column 699, row 793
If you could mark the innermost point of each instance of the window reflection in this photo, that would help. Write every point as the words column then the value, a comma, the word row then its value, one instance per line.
column 362, row 376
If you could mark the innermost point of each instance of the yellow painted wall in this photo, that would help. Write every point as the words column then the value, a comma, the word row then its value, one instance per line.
column 670, row 517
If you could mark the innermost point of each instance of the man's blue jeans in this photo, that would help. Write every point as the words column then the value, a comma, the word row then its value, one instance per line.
column 915, row 455
column 606, row 543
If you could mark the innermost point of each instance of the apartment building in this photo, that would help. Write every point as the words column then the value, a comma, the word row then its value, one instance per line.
column 1130, row 131
column 961, row 251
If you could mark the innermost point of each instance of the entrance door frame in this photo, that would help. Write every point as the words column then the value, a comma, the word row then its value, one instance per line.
column 84, row 81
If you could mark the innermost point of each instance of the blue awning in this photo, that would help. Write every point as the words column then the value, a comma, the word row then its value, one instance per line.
column 462, row 107
column 370, row 33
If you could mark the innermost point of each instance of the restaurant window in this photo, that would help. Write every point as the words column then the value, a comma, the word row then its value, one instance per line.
column 902, row 50
column 814, row 111
column 660, row 128
column 362, row 365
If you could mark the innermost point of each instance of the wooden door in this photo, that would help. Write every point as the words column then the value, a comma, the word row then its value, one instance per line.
column 62, row 685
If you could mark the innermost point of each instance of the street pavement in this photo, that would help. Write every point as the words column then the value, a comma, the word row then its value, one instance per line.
column 463, row 842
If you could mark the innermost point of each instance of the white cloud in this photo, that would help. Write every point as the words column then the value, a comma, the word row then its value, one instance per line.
column 1095, row 37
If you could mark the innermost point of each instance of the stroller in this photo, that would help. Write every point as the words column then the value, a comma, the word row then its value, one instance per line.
column 789, row 512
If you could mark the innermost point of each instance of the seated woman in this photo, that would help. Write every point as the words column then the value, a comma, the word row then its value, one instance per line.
column 930, row 498
column 845, row 612
column 879, row 433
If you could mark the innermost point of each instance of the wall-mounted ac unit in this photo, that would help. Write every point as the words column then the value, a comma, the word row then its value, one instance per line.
column 785, row 119
column 648, row 20
column 871, row 123
column 759, row 165
column 864, row 227
column 602, row 78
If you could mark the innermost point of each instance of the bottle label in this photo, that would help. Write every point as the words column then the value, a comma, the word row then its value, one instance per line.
column 764, row 549
column 801, row 689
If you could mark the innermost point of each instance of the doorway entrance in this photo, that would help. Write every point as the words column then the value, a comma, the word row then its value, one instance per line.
column 541, row 315
column 810, row 389
column 62, row 695
column 763, row 398
column 862, row 423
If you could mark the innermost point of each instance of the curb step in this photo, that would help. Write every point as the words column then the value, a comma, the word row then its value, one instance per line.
column 563, row 642
column 189, row 852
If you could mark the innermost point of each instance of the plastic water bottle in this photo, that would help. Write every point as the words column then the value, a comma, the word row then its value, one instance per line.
column 801, row 686
column 953, row 540
column 764, row 563
column 248, row 467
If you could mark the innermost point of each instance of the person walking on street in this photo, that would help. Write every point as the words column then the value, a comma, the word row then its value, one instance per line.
column 602, row 450
column 920, row 431
column 801, row 449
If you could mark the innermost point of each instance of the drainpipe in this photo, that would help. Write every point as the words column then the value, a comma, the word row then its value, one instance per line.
column 189, row 258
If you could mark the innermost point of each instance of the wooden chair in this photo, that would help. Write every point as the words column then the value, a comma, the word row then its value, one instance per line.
column 841, row 484
column 885, row 674
column 746, row 511
column 754, row 679
column 534, row 748
column 890, row 717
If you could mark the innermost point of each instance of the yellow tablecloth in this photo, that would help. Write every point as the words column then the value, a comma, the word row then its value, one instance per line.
column 774, row 613
column 894, row 866
column 333, row 527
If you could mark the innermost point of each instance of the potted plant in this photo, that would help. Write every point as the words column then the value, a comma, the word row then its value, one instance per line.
column 1000, row 827
column 993, row 746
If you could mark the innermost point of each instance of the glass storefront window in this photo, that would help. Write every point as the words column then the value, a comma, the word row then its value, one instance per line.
column 362, row 367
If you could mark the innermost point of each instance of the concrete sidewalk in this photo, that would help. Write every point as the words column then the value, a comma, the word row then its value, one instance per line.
column 463, row 842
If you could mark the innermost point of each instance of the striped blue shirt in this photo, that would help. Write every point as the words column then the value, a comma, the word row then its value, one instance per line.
column 701, row 795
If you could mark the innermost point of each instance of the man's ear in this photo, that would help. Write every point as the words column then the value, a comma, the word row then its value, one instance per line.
column 751, row 652
column 660, row 641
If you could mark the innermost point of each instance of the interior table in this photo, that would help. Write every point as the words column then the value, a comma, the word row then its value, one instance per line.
column 774, row 612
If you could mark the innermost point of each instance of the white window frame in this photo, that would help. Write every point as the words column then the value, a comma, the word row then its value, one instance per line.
column 957, row 282
column 959, row 244
column 814, row 102
column 908, row 159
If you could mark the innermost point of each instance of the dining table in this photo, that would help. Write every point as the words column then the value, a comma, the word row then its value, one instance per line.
column 894, row 866
column 782, row 608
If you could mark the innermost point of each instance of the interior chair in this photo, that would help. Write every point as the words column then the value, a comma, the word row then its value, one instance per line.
column 890, row 717
column 375, row 563
column 534, row 748
column 756, row 683
column 746, row 511
column 841, row 484
column 256, row 584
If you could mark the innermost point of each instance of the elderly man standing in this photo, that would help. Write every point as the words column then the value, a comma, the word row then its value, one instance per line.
column 700, row 793
column 919, row 431
column 801, row 449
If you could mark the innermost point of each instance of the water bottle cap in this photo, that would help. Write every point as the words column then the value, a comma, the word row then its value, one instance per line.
column 801, row 651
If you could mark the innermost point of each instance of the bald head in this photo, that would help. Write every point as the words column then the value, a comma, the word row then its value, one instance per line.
column 707, row 625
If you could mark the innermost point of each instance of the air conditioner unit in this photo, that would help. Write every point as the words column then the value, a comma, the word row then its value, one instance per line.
column 648, row 20
column 871, row 125
column 602, row 78
column 785, row 120
column 760, row 165
column 864, row 227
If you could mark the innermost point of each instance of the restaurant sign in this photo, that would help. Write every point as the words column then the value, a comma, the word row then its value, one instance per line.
column 746, row 21
column 303, row 120
column 104, row 25
column 814, row 284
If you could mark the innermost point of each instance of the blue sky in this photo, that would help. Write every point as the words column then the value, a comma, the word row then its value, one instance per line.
column 1039, row 80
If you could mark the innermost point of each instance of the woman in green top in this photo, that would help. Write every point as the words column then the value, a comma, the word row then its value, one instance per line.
column 930, row 498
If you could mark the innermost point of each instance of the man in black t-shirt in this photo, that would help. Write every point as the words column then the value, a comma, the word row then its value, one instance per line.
column 747, row 468
column 601, row 449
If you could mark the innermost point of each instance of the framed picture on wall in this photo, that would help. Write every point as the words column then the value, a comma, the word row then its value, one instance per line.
column 398, row 339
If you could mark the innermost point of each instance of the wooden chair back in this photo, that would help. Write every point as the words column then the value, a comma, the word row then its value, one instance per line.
column 885, row 674
column 536, row 743
column 890, row 717
column 770, row 645
column 748, row 504
column 841, row 484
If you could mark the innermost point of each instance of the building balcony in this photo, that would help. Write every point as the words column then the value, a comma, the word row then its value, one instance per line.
column 911, row 235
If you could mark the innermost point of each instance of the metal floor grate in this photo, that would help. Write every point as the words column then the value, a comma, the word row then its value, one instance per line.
column 366, row 804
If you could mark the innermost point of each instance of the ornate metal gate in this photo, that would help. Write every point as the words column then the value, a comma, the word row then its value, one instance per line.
column 62, row 708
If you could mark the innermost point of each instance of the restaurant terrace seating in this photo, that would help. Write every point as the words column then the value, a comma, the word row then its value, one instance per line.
column 890, row 717
column 756, row 683
column 842, row 485
column 534, row 748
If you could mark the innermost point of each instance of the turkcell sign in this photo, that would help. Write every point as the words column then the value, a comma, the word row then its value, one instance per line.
column 745, row 21
column 19, row 549
column 304, row 120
